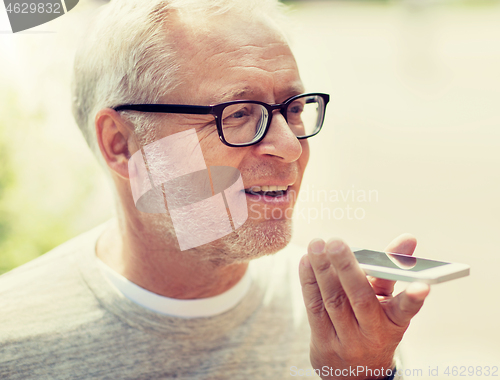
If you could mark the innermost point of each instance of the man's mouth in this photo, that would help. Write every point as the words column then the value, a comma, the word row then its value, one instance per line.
column 270, row 191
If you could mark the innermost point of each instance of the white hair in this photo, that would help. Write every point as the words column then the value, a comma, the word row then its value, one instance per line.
column 126, row 56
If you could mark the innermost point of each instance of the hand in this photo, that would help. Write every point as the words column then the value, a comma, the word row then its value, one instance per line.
column 355, row 320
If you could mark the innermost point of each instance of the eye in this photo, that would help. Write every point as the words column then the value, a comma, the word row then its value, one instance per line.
column 295, row 108
column 240, row 113
column 237, row 114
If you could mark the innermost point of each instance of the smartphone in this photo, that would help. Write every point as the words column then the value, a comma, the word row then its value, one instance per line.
column 395, row 266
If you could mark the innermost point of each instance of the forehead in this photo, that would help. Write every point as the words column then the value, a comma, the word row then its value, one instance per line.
column 230, row 57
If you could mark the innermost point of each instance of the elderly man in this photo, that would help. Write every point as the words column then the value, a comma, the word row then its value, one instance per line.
column 125, row 300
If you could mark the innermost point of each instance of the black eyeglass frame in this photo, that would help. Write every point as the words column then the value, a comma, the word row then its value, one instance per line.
column 218, row 109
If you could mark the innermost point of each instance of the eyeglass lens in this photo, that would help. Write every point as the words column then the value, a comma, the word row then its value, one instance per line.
column 246, row 122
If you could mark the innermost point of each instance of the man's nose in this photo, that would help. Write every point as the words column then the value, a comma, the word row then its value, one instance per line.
column 280, row 141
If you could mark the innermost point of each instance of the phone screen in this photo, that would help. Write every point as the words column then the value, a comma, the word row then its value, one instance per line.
column 395, row 260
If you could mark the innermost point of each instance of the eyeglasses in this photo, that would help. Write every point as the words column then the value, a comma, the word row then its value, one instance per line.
column 246, row 122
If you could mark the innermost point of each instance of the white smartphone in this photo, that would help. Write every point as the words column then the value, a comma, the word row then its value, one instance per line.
column 394, row 266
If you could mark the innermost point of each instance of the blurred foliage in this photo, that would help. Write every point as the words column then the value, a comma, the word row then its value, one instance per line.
column 43, row 196
column 6, row 182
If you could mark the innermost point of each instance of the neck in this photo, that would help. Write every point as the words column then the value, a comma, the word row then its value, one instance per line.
column 165, row 271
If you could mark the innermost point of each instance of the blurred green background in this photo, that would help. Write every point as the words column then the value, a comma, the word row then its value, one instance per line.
column 414, row 115
column 46, row 193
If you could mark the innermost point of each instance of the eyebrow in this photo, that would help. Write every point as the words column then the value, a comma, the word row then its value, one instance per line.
column 293, row 89
column 236, row 94
column 246, row 93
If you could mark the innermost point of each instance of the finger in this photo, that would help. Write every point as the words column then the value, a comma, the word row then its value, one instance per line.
column 316, row 314
column 402, row 308
column 404, row 244
column 334, row 298
column 361, row 296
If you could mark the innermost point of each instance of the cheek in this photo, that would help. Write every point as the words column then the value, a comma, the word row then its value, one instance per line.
column 218, row 154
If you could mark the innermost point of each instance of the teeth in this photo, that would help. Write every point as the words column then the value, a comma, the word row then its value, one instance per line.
column 256, row 189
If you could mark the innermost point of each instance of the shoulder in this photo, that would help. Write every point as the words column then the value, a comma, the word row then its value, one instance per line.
column 44, row 287
column 51, row 262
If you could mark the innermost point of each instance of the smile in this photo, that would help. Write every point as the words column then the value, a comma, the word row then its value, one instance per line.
column 269, row 191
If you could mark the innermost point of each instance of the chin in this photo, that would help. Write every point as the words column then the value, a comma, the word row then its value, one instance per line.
column 255, row 238
column 251, row 241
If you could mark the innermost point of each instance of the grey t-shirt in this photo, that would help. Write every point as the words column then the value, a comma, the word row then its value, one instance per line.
column 61, row 319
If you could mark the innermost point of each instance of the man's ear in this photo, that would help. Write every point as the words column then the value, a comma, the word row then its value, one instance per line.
column 113, row 137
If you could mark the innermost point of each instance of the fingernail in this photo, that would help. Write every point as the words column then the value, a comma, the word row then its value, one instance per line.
column 335, row 246
column 317, row 246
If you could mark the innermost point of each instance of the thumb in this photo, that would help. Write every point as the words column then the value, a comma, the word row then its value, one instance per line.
column 402, row 308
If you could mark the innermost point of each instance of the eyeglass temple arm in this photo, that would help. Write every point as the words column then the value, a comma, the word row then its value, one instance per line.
column 166, row 108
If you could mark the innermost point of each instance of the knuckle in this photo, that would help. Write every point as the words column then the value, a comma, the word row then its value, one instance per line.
column 361, row 302
column 410, row 308
column 404, row 311
column 323, row 266
column 309, row 283
column 345, row 265
column 316, row 305
column 336, row 301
